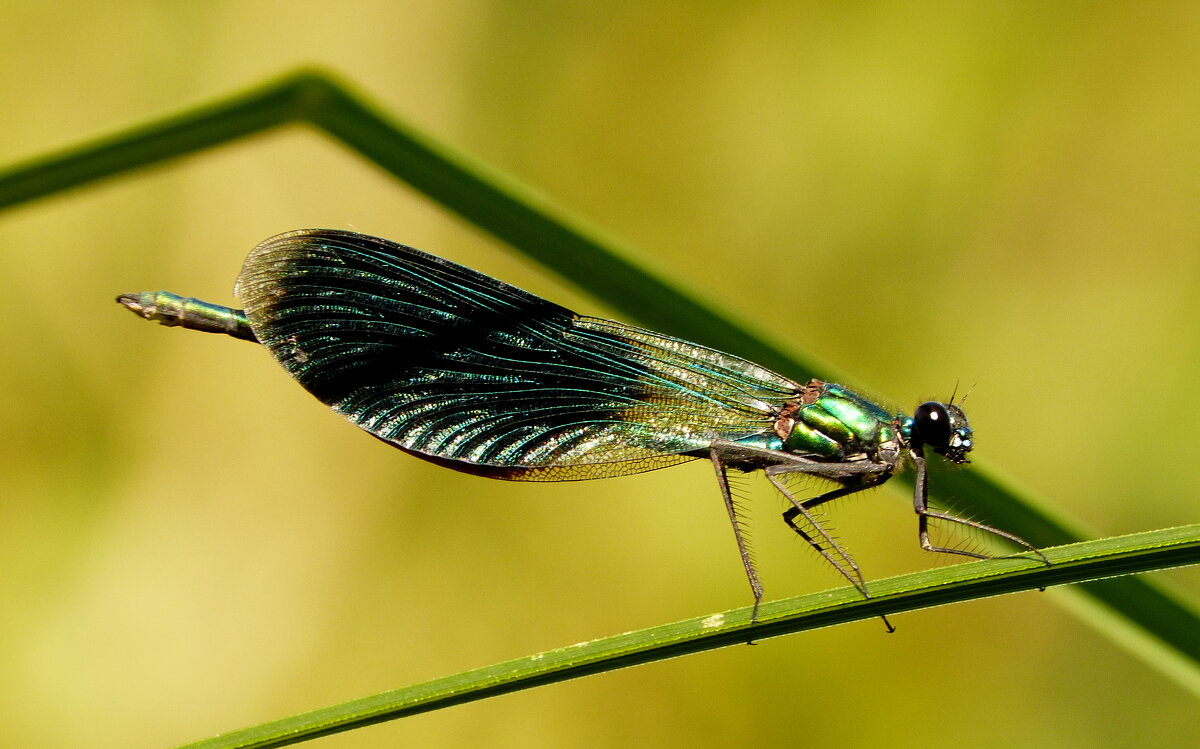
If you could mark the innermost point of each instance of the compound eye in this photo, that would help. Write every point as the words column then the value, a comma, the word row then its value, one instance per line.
column 932, row 424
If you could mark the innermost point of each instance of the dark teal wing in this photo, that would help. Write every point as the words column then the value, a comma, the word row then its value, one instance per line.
column 459, row 368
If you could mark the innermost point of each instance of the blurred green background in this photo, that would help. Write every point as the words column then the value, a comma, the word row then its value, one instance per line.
column 1000, row 196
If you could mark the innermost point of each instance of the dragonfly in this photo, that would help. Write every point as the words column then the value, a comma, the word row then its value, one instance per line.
column 465, row 371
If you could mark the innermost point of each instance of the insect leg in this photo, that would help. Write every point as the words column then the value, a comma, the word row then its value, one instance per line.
column 830, row 550
column 743, row 550
column 825, row 545
column 921, row 505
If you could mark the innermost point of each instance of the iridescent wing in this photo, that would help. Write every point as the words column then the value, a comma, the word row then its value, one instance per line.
column 459, row 368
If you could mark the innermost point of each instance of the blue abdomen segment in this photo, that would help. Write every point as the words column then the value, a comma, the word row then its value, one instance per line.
column 833, row 422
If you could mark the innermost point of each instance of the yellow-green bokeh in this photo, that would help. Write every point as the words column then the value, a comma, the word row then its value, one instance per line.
column 998, row 196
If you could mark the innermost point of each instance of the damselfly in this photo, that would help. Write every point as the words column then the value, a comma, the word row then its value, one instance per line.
column 465, row 371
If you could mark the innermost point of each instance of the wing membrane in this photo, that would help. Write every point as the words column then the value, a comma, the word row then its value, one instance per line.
column 465, row 370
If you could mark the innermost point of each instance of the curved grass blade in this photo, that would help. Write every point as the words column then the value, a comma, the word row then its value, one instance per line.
column 1078, row 562
column 596, row 263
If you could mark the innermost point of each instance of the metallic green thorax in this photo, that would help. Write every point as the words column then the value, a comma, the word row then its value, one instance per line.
column 835, row 423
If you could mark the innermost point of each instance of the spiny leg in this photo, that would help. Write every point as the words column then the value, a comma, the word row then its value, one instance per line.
column 921, row 505
column 743, row 550
column 831, row 551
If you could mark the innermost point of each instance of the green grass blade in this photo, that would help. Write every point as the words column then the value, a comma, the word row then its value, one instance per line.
column 179, row 135
column 1163, row 617
column 484, row 197
column 971, row 580
column 579, row 253
column 524, row 219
